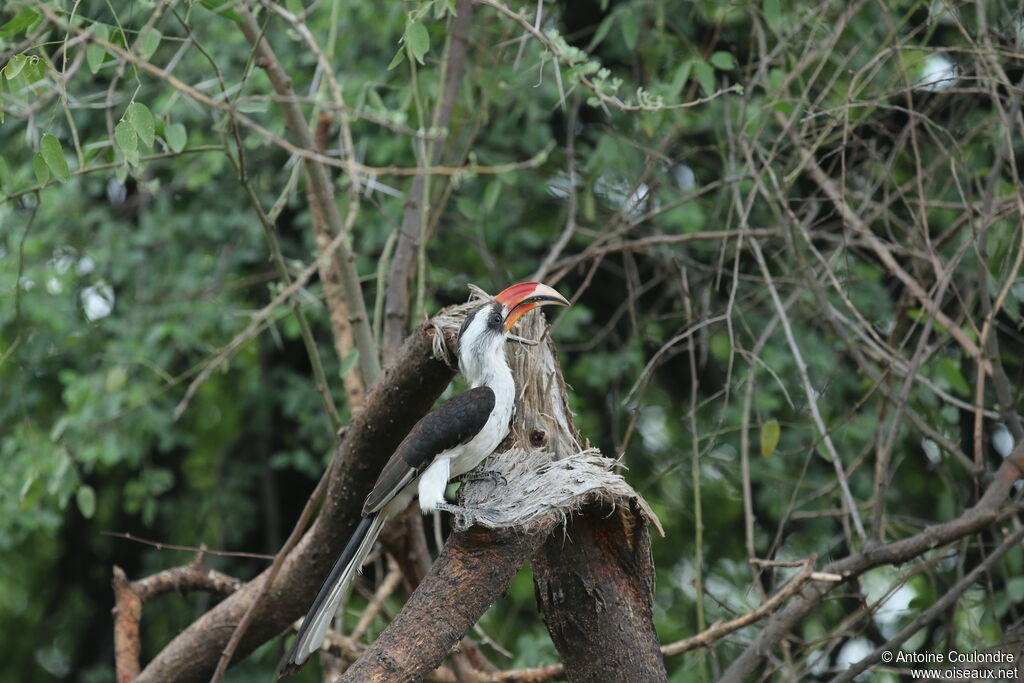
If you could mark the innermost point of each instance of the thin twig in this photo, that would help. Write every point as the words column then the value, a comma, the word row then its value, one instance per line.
column 159, row 545
column 809, row 391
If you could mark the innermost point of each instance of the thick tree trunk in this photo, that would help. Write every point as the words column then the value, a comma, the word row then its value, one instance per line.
column 472, row 571
column 595, row 587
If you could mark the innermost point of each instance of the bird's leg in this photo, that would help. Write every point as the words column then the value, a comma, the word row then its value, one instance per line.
column 493, row 476
column 457, row 510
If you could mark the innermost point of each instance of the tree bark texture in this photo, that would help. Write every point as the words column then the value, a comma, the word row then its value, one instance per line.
column 595, row 587
column 406, row 393
column 127, row 639
column 334, row 290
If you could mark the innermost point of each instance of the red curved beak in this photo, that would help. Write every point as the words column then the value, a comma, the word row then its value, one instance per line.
column 522, row 298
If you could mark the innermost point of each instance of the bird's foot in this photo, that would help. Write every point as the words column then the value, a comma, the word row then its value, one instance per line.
column 452, row 509
column 493, row 476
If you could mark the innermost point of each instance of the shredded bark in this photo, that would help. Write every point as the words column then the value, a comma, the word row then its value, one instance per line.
column 533, row 493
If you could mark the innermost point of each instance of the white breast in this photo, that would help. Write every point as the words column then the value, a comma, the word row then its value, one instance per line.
column 498, row 378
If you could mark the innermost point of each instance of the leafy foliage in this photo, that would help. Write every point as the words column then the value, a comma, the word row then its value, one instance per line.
column 130, row 253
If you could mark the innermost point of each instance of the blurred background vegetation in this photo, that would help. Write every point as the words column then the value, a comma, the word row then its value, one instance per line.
column 130, row 253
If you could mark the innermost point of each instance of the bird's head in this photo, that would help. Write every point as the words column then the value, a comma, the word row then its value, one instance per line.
column 483, row 332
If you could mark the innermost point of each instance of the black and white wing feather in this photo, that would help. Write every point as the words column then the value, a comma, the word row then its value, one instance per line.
column 451, row 424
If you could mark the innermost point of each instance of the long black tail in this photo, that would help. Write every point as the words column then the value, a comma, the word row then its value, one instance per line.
column 314, row 627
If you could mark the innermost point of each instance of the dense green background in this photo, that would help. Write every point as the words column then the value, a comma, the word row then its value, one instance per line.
column 172, row 245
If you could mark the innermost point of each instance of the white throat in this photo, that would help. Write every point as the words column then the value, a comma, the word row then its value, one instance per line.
column 488, row 368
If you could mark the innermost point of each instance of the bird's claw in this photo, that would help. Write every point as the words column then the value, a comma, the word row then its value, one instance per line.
column 493, row 476
column 451, row 509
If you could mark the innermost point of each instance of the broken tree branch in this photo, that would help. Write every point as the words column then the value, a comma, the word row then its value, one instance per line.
column 130, row 595
column 595, row 588
column 472, row 571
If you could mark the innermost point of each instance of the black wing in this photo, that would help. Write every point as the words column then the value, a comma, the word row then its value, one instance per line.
column 454, row 422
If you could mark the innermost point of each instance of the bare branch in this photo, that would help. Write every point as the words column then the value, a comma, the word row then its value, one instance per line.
column 322, row 192
column 938, row 607
column 130, row 596
column 983, row 514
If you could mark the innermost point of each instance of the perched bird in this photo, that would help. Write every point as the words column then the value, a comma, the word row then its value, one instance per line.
column 448, row 442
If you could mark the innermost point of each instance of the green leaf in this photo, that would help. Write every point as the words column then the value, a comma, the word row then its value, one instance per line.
column 86, row 499
column 491, row 194
column 630, row 29
column 128, row 141
column 772, row 12
column 6, row 179
column 602, row 32
column 35, row 70
column 22, row 21
column 41, row 169
column 117, row 37
column 950, row 371
column 95, row 54
column 348, row 362
column 53, row 155
column 1015, row 588
column 216, row 5
column 397, row 59
column 705, row 76
column 141, row 119
column 418, row 40
column 681, row 75
column 723, row 60
column 15, row 66
column 721, row 348
column 149, row 41
column 252, row 107
column 176, row 136
column 1018, row 289
column 770, row 433
column 295, row 6
column 117, row 378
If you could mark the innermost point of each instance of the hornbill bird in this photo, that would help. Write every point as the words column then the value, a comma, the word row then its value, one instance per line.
column 448, row 442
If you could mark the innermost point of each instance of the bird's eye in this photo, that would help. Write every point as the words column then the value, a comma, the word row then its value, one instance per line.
column 496, row 319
